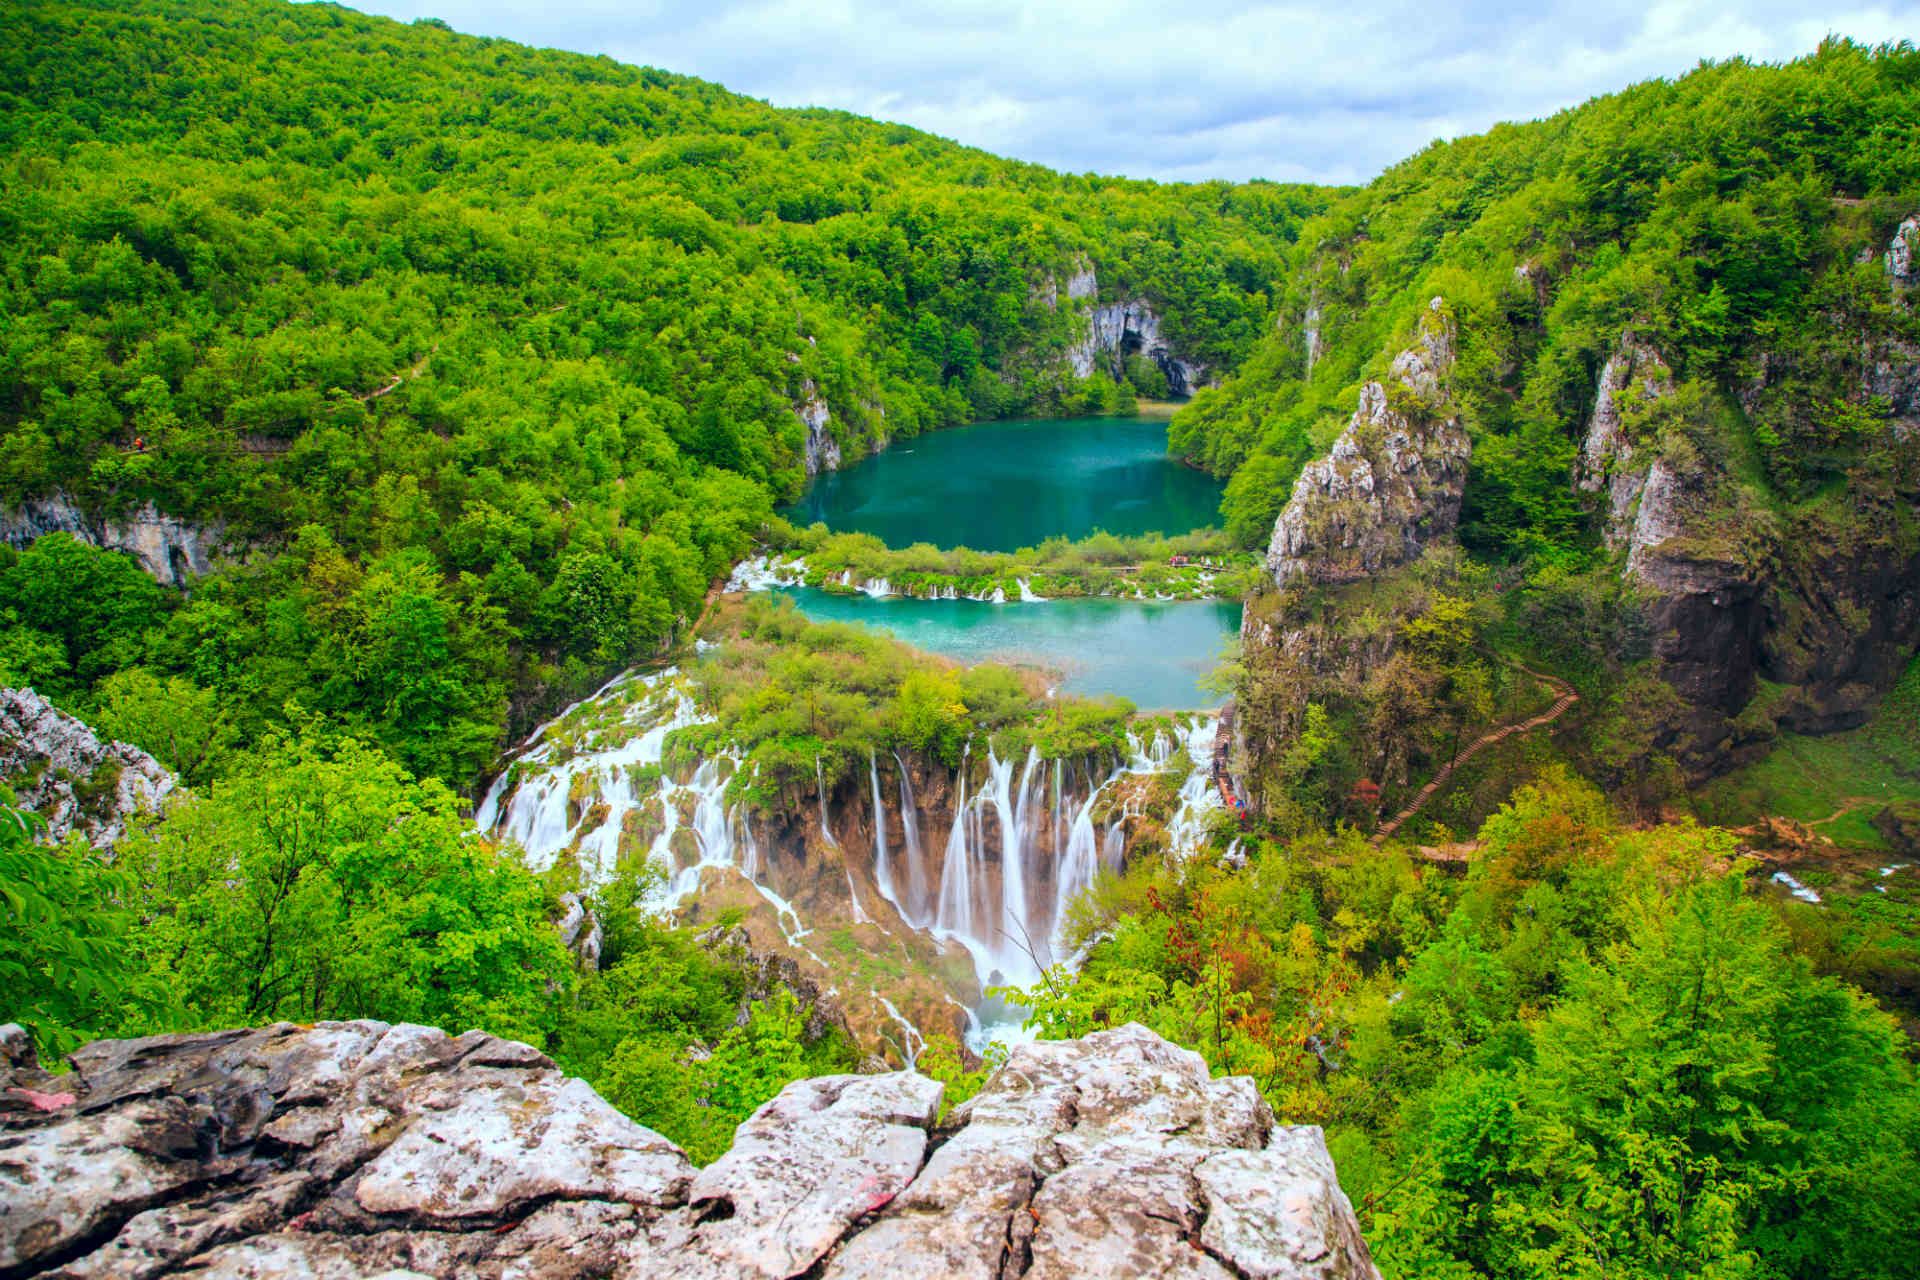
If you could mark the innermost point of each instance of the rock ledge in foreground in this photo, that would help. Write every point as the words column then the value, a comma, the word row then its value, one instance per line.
column 361, row 1149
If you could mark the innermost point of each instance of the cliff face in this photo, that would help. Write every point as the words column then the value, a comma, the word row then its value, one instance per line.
column 1827, row 607
column 1386, row 495
column 1393, row 480
column 59, row 769
column 1115, row 331
column 361, row 1149
column 172, row 551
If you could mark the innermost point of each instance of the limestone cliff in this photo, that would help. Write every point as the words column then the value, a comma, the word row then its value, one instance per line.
column 1106, row 335
column 60, row 769
column 1393, row 480
column 360, row 1149
column 1824, row 607
column 170, row 550
column 1386, row 497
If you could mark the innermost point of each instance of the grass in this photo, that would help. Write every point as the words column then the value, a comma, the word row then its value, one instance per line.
column 1837, row 782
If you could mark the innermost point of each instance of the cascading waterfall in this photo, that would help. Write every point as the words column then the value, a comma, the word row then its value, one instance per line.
column 915, row 909
column 882, row 873
column 820, row 788
column 1024, row 841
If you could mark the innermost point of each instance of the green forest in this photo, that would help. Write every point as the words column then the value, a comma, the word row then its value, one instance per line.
column 485, row 365
column 502, row 346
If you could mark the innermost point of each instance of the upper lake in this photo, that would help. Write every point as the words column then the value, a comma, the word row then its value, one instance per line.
column 1000, row 486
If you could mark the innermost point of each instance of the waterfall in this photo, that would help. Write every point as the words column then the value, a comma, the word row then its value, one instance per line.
column 1026, row 593
column 1198, row 796
column 882, row 872
column 1024, row 840
column 954, row 914
column 915, row 908
column 1075, row 869
column 820, row 786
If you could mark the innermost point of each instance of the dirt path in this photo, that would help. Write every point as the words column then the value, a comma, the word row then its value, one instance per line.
column 1566, row 699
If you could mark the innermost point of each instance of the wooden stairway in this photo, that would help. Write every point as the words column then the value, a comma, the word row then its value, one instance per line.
column 1566, row 699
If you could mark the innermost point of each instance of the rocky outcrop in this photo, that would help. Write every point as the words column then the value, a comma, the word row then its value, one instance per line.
column 1903, row 254
column 579, row 930
column 170, row 550
column 361, row 1149
column 1127, row 328
column 1116, row 331
column 1607, row 456
column 60, row 769
column 1082, row 285
column 822, row 450
column 1391, row 484
column 767, row 971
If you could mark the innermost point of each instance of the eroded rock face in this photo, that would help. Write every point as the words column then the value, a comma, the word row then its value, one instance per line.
column 362, row 1149
column 60, row 769
column 1607, row 456
column 1117, row 330
column 822, row 450
column 1392, row 482
column 170, row 550
column 1903, row 253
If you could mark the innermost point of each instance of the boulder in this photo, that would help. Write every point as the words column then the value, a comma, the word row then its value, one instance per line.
column 60, row 769
column 362, row 1149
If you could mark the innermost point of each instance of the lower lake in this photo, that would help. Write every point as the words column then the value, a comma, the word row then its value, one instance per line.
column 1150, row 652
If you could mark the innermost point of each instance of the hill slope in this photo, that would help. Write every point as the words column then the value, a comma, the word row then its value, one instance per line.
column 535, row 340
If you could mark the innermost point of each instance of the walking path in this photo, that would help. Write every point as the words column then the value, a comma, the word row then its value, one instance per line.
column 1566, row 699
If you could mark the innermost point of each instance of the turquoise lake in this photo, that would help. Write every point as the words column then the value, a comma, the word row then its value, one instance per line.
column 1150, row 652
column 1000, row 486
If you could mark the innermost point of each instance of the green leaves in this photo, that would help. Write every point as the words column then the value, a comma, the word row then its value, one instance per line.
column 68, row 970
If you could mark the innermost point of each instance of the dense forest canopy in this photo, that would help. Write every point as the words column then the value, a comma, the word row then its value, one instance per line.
column 495, row 352
column 1720, row 216
column 486, row 361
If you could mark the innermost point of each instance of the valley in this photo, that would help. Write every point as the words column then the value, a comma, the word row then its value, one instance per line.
column 699, row 622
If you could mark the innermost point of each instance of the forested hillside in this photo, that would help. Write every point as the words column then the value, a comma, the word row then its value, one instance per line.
column 495, row 354
column 1699, row 290
column 1721, row 217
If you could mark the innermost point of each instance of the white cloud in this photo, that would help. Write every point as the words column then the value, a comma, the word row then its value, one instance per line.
column 1208, row 88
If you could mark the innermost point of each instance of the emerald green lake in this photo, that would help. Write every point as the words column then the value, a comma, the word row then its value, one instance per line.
column 1150, row 652
column 1000, row 486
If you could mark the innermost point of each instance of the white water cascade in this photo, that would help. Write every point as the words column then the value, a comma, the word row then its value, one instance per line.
column 1026, row 836
column 915, row 909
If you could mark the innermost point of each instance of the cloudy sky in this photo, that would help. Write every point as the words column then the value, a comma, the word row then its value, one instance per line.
column 1199, row 89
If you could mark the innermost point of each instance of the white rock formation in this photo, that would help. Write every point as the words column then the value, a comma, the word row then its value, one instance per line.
column 1903, row 254
column 168, row 549
column 1607, row 456
column 361, row 1149
column 60, row 769
column 1392, row 482
column 822, row 450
